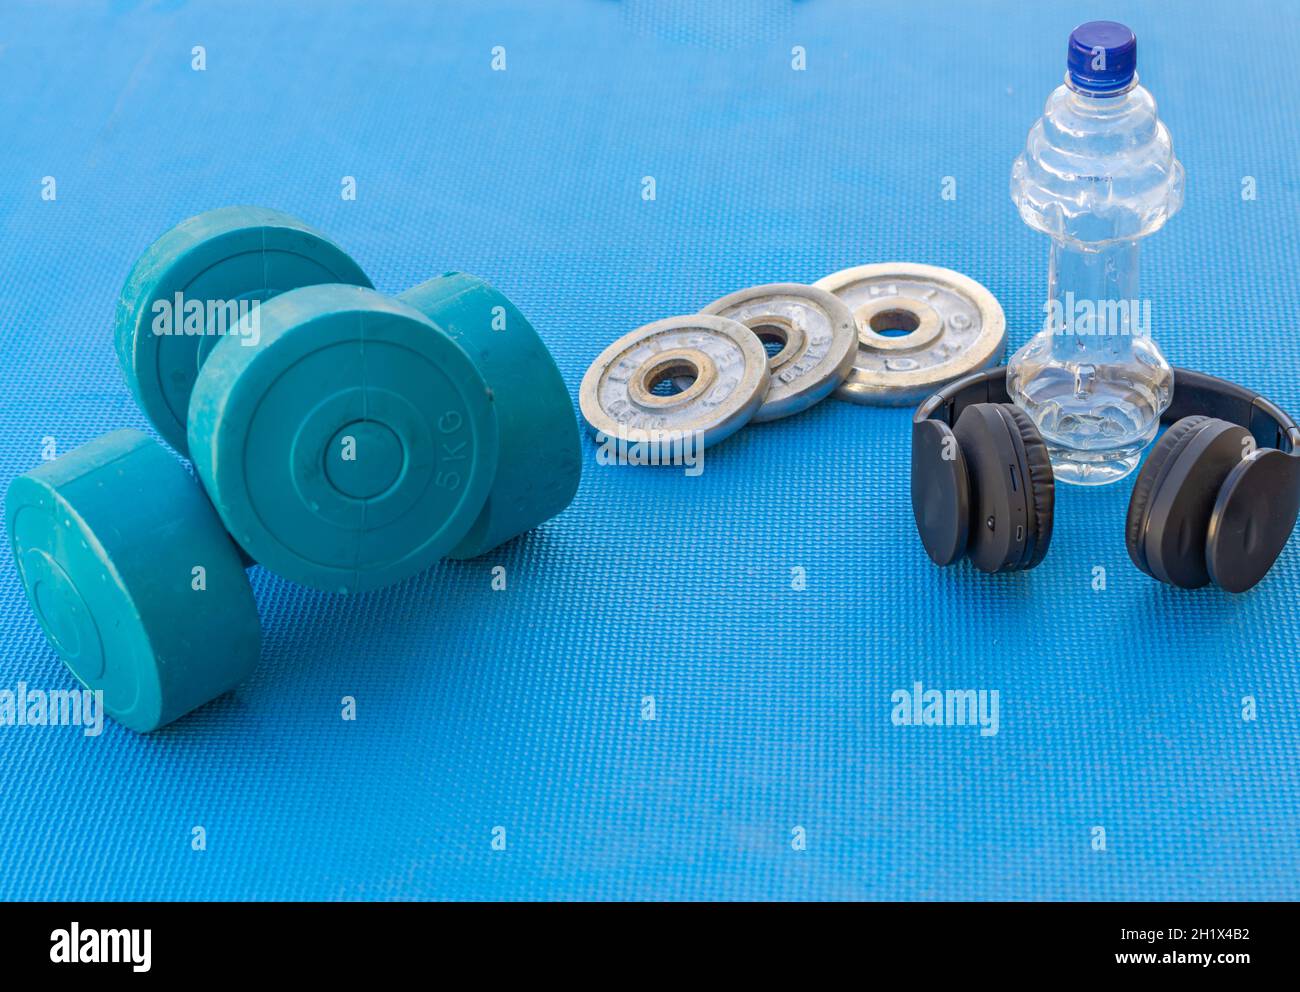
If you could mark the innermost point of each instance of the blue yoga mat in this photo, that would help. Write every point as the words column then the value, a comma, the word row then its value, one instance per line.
column 501, row 749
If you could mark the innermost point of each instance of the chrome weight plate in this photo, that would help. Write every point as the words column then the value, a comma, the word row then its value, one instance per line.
column 919, row 327
column 815, row 336
column 628, row 393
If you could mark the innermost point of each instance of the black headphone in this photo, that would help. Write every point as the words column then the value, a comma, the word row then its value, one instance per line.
column 1208, row 506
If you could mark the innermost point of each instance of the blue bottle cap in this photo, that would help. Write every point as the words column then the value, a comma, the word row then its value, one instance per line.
column 1102, row 58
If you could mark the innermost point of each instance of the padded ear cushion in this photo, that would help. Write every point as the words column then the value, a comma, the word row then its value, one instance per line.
column 940, row 492
column 1041, row 484
column 1153, row 471
column 1000, row 506
column 1177, row 528
column 1253, row 517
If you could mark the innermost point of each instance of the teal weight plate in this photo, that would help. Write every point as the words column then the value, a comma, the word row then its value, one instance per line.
column 541, row 456
column 353, row 447
column 132, row 578
column 235, row 255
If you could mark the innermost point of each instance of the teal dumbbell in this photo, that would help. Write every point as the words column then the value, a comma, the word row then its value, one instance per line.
column 191, row 278
column 348, row 440
column 353, row 447
column 133, row 579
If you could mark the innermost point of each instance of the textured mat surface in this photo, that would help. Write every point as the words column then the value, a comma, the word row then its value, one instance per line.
column 523, row 709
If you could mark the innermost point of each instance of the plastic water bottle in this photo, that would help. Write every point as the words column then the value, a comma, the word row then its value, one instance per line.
column 1097, row 174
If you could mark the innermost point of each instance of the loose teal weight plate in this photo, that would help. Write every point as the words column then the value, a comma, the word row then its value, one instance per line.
column 541, row 457
column 133, row 579
column 353, row 447
column 237, row 255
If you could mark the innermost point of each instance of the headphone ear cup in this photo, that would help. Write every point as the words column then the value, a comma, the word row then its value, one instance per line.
column 1252, row 519
column 1182, row 501
column 1000, row 503
column 940, row 491
column 1153, row 471
column 1040, row 483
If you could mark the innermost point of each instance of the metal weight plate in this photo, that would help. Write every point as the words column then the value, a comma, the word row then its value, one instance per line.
column 724, row 361
column 132, row 578
column 815, row 334
column 919, row 327
column 540, row 460
column 195, row 279
column 351, row 449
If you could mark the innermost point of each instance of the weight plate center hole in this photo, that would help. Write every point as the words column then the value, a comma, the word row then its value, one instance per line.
column 671, row 377
column 894, row 323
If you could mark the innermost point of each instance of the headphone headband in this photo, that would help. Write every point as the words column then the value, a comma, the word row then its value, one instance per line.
column 1194, row 393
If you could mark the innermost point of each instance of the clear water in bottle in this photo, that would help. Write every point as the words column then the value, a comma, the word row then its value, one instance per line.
column 1098, row 174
